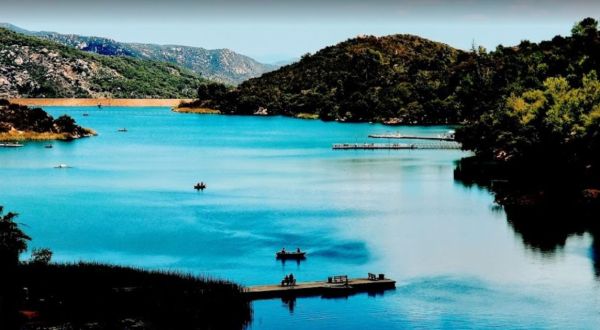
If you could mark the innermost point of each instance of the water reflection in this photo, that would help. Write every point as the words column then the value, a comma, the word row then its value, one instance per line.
column 542, row 229
column 290, row 303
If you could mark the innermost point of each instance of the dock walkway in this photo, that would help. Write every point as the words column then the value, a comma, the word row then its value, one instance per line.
column 412, row 137
column 10, row 145
column 396, row 146
column 315, row 288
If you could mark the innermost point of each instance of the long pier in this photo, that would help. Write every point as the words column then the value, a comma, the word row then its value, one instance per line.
column 10, row 145
column 395, row 146
column 411, row 137
column 320, row 288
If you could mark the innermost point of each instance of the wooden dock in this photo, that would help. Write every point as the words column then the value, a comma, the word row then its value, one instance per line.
column 10, row 145
column 412, row 137
column 321, row 288
column 396, row 146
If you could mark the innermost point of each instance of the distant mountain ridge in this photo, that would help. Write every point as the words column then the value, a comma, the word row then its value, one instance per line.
column 33, row 67
column 221, row 65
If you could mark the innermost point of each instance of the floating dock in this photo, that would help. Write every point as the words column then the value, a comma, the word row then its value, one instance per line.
column 10, row 145
column 411, row 137
column 306, row 289
column 396, row 146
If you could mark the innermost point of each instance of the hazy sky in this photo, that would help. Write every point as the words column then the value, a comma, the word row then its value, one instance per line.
column 271, row 30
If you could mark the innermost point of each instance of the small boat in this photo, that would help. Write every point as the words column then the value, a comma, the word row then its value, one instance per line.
column 62, row 166
column 99, row 106
column 122, row 129
column 48, row 146
column 283, row 255
column 85, row 114
column 11, row 145
column 200, row 186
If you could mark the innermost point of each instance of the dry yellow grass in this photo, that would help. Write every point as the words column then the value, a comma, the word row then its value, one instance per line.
column 15, row 135
column 206, row 111
column 303, row 115
column 40, row 102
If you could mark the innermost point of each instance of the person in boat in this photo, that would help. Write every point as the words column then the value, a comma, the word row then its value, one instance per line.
column 283, row 251
column 291, row 279
column 298, row 250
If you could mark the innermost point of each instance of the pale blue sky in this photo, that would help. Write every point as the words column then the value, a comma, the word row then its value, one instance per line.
column 271, row 30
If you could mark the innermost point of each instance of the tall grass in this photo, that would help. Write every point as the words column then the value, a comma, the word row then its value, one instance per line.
column 107, row 295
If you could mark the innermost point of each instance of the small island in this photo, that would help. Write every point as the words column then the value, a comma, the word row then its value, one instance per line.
column 22, row 123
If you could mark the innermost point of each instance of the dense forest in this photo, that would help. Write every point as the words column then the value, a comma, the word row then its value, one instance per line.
column 399, row 79
column 19, row 122
column 405, row 79
column 538, row 114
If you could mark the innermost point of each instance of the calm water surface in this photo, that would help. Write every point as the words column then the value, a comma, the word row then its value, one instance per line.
column 275, row 182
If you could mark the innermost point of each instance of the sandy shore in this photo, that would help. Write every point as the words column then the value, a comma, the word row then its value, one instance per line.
column 103, row 102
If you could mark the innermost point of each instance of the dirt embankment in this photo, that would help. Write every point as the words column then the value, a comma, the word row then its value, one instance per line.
column 103, row 102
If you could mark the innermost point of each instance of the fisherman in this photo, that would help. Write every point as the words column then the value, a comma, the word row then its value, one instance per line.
column 298, row 250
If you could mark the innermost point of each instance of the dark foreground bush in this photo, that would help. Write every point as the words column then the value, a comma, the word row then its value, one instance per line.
column 86, row 296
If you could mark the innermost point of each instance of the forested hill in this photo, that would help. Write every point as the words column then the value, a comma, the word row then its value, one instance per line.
column 538, row 107
column 221, row 65
column 33, row 67
column 399, row 78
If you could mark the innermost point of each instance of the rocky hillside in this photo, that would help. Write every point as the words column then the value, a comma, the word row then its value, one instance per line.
column 394, row 79
column 34, row 67
column 221, row 65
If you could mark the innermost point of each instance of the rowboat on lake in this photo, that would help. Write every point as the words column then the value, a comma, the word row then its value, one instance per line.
column 283, row 254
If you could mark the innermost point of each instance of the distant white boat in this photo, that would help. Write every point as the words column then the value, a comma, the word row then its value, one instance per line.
column 62, row 166
column 11, row 145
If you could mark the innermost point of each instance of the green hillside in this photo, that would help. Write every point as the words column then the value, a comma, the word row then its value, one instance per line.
column 33, row 67
column 396, row 79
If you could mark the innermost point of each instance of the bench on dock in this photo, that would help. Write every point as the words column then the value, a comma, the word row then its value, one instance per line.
column 338, row 279
column 306, row 289
column 373, row 277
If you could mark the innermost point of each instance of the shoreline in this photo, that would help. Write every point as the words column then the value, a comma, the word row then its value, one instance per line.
column 196, row 110
column 23, row 136
column 74, row 102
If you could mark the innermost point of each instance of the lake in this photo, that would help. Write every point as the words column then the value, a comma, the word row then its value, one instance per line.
column 275, row 182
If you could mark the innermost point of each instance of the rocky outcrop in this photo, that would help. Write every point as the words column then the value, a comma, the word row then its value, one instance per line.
column 221, row 65
column 33, row 67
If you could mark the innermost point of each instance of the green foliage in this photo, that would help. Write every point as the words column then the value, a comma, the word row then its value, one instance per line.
column 65, row 124
column 584, row 28
column 37, row 120
column 208, row 91
column 41, row 256
column 552, row 128
column 13, row 241
column 414, row 80
column 362, row 79
column 111, row 76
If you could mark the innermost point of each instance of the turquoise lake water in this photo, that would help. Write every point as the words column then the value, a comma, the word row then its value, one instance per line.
column 275, row 182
